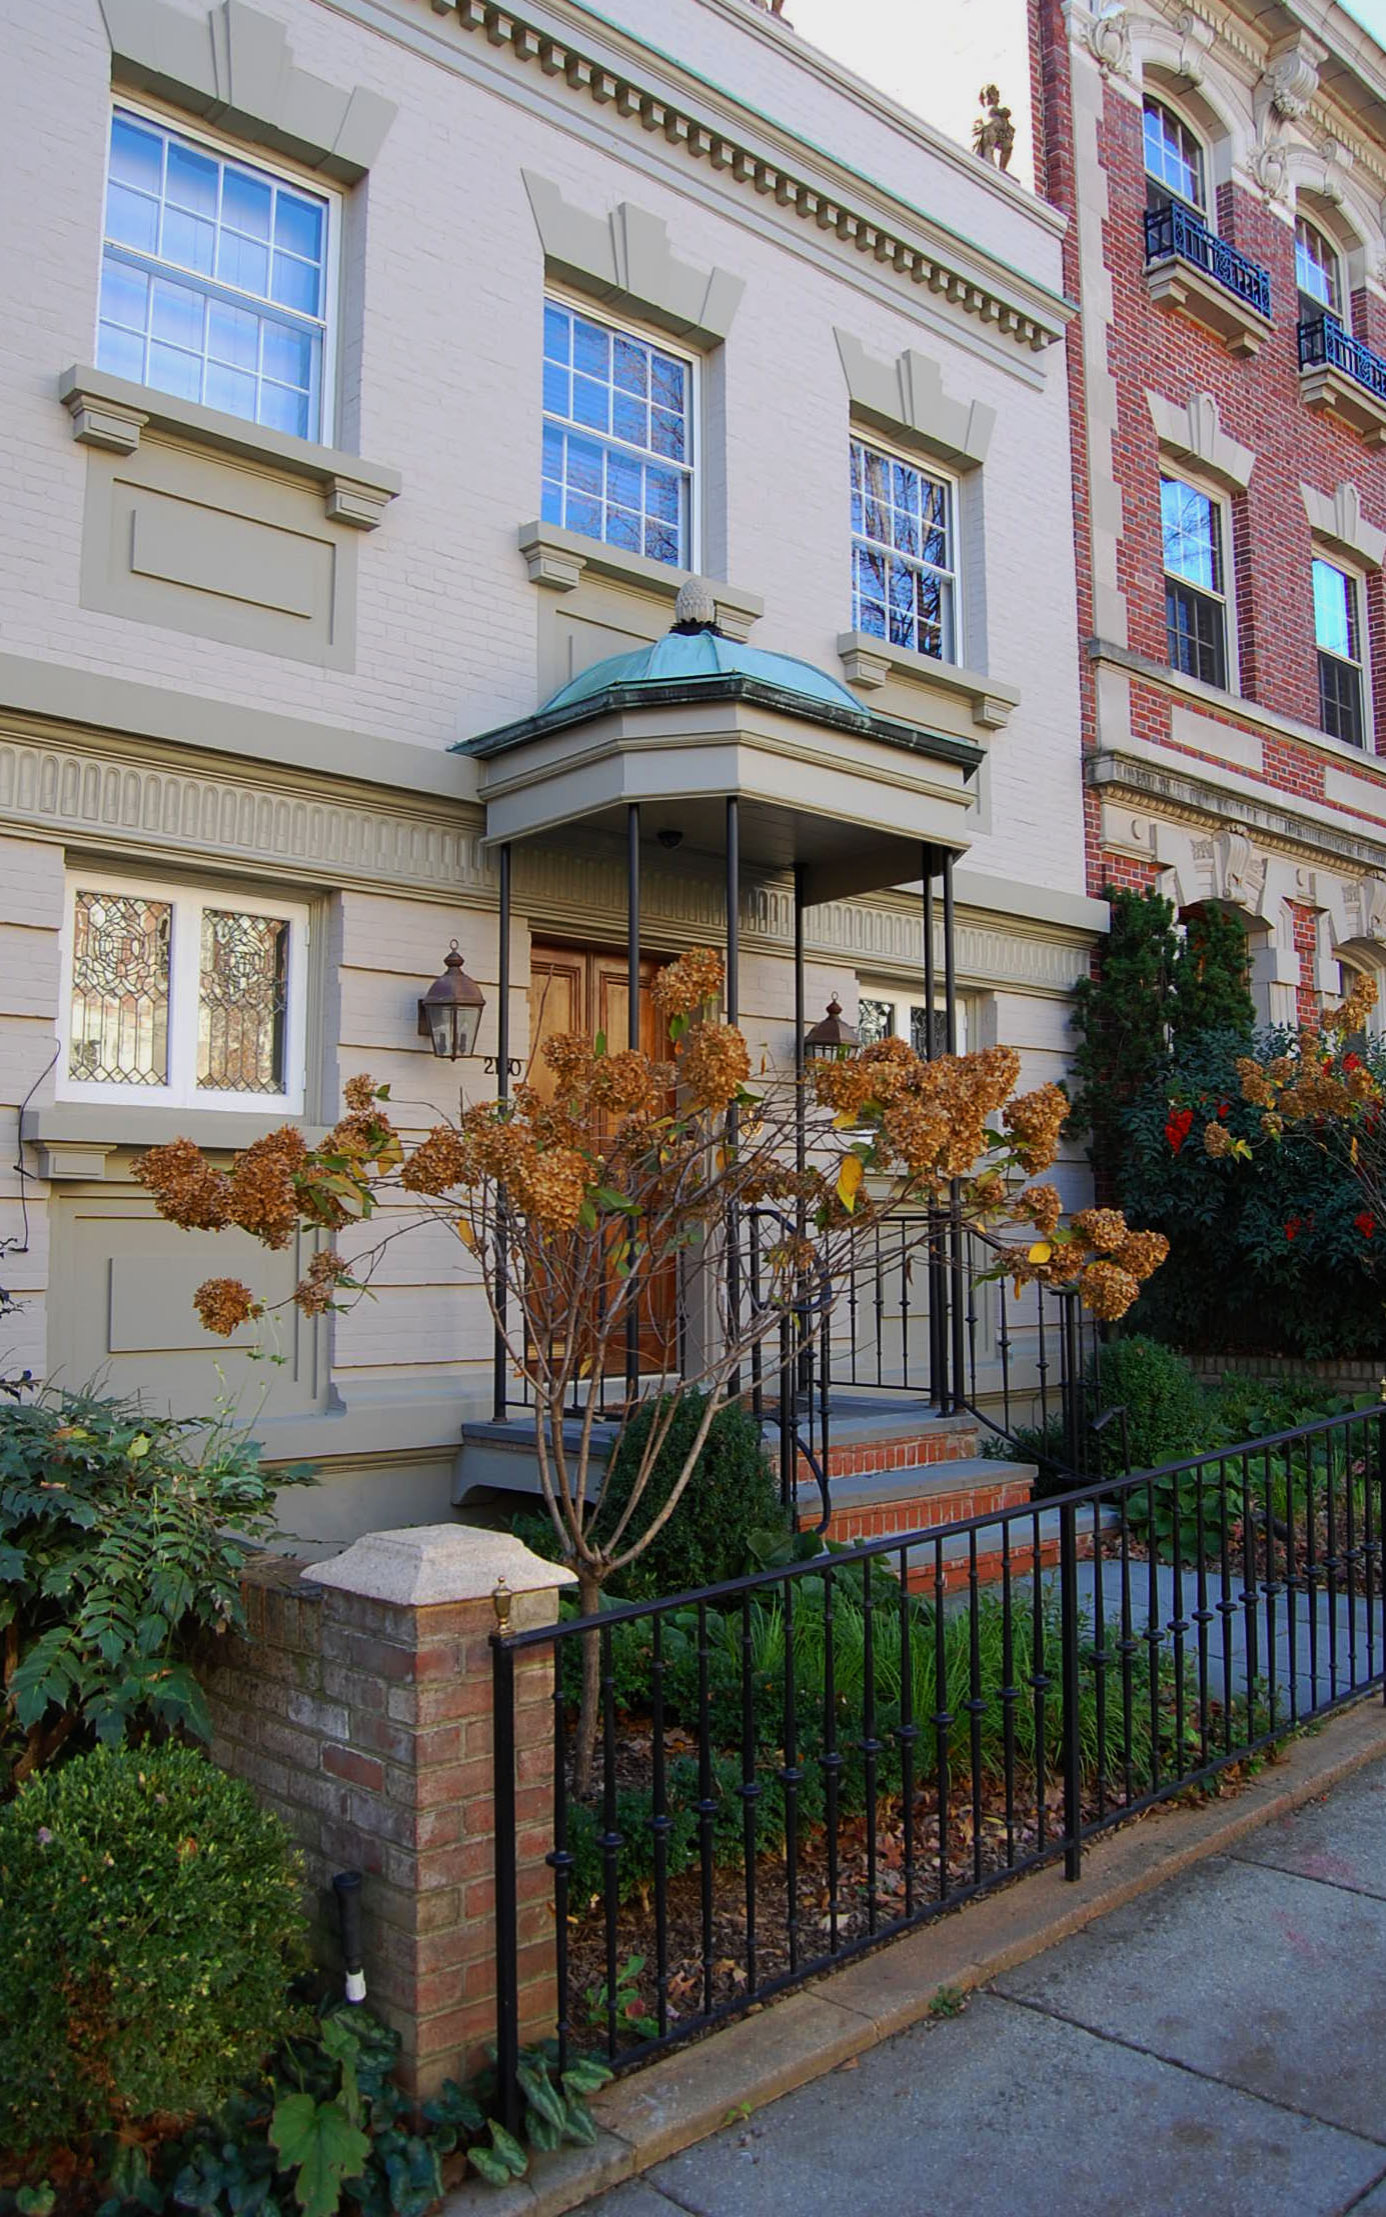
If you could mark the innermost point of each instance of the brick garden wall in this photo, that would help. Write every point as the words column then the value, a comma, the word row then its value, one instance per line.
column 366, row 1727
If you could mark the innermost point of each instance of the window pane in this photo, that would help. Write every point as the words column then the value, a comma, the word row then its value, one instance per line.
column 120, row 990
column 246, row 201
column 121, row 353
column 215, row 219
column 875, row 1021
column 1316, row 266
column 131, row 219
column 137, row 156
column 1191, row 535
column 242, row 1000
column 604, row 484
column 906, row 596
column 1173, row 156
column 1335, row 625
column 1340, row 700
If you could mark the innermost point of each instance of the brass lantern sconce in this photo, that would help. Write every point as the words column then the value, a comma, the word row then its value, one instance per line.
column 831, row 1039
column 450, row 1011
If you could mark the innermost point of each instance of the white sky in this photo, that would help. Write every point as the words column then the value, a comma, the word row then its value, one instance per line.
column 933, row 55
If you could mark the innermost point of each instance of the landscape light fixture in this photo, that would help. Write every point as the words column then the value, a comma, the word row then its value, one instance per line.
column 831, row 1039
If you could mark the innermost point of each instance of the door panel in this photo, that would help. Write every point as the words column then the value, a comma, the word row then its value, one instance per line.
column 587, row 990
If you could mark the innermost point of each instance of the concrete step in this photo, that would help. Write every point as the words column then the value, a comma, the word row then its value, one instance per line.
column 872, row 1504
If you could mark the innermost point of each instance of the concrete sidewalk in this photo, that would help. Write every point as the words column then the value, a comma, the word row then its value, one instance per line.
column 1218, row 2046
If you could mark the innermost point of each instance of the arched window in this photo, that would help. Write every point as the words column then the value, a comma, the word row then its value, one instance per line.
column 1174, row 165
column 1318, row 272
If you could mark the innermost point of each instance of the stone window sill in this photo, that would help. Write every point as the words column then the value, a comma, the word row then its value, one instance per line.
column 74, row 1138
column 1331, row 392
column 1180, row 286
column 559, row 559
column 869, row 662
column 110, row 413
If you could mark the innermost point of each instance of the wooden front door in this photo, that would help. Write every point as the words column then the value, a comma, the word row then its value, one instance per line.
column 587, row 990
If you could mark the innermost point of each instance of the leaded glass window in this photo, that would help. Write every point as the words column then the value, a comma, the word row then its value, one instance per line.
column 903, row 556
column 879, row 1018
column 118, row 1033
column 875, row 1021
column 215, row 280
column 179, row 997
column 618, row 437
column 241, row 1002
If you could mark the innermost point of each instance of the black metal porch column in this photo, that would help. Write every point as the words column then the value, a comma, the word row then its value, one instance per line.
column 950, row 1020
column 733, row 1012
column 937, row 1279
column 633, row 1040
column 500, row 1358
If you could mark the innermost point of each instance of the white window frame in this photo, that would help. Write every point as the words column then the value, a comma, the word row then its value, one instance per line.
column 1304, row 222
column 1199, row 205
column 1363, row 662
column 1179, row 475
column 187, row 902
column 903, row 1002
column 646, row 334
column 228, row 148
column 925, row 466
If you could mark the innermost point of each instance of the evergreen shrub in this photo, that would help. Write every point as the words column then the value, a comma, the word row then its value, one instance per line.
column 152, row 1922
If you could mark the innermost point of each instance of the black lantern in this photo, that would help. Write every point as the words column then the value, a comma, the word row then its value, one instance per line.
column 832, row 1039
column 450, row 1011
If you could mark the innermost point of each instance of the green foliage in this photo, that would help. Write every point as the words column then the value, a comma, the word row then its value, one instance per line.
column 730, row 1501
column 1275, row 1254
column 121, row 1542
column 324, row 2128
column 1211, row 994
column 905, row 1661
column 1159, row 989
column 1167, row 1414
column 152, row 1919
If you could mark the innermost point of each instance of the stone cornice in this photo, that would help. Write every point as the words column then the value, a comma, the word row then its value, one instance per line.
column 1179, row 793
column 757, row 155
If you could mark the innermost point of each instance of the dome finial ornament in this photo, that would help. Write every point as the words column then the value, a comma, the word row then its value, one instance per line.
column 696, row 606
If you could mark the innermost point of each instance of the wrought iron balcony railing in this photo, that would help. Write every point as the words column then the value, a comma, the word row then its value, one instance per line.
column 1324, row 344
column 1174, row 230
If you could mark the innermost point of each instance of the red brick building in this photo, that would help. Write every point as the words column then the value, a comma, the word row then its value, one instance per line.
column 1223, row 165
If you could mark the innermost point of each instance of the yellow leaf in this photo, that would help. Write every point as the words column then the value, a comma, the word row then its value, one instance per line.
column 849, row 1179
column 845, row 1120
column 1040, row 1252
column 464, row 1232
column 1354, row 1147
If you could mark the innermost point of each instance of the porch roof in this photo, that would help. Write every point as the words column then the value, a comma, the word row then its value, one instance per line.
column 692, row 665
column 850, row 798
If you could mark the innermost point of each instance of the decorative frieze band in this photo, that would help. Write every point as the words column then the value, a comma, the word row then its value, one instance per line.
column 137, row 805
column 133, row 807
column 1029, row 315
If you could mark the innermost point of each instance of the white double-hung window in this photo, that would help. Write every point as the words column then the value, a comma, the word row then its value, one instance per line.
column 176, row 997
column 904, row 553
column 619, row 437
column 216, row 279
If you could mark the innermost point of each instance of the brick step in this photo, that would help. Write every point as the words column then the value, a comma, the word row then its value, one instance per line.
column 859, row 1445
column 870, row 1504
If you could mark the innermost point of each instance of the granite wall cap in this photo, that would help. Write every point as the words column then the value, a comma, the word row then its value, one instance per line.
column 426, row 1563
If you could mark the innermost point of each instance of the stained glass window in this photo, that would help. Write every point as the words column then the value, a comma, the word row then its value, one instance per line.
column 182, row 997
column 875, row 1021
column 241, row 1002
column 902, row 553
column 120, row 990
column 618, row 437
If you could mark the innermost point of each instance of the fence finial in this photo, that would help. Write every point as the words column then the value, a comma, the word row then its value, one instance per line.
column 500, row 1602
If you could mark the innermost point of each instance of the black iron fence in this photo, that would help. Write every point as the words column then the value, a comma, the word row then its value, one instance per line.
column 1175, row 229
column 785, row 1770
column 1324, row 343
